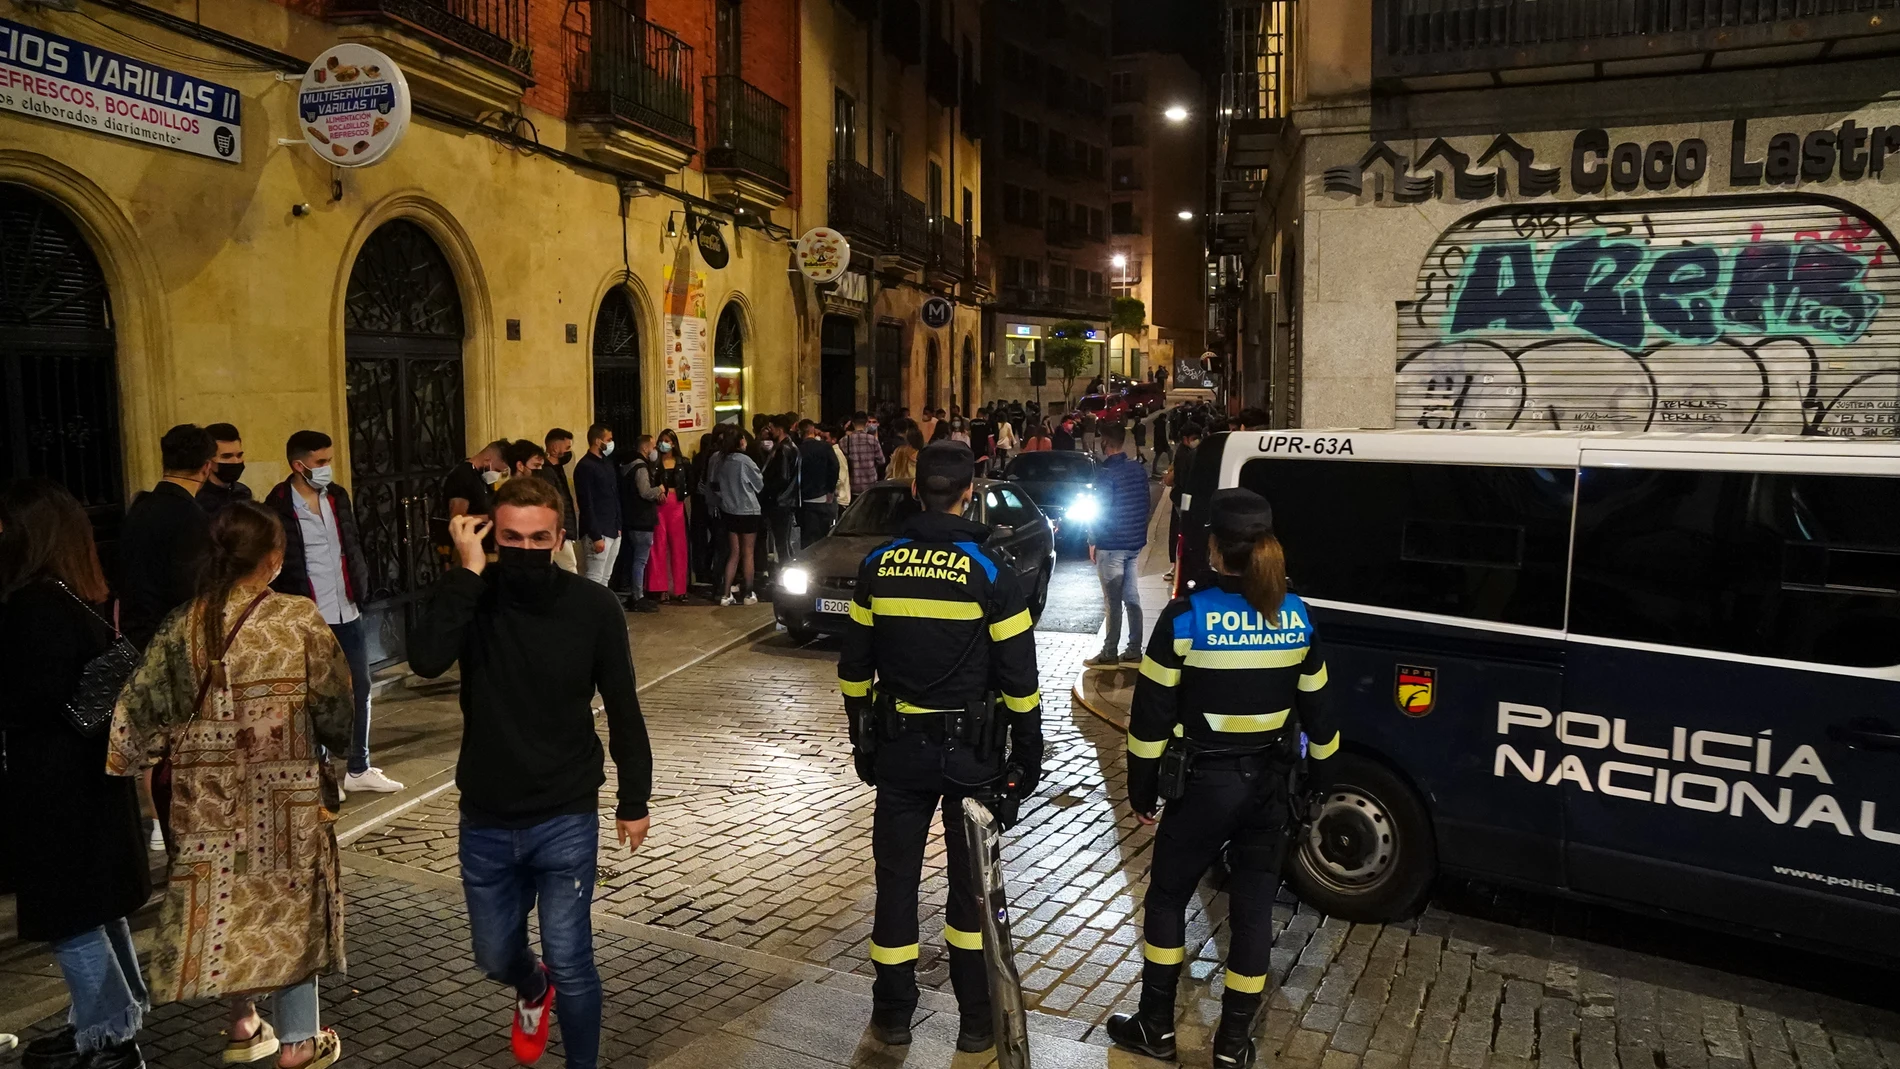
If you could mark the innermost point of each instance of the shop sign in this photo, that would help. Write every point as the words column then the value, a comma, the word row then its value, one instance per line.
column 1023, row 330
column 66, row 81
column 823, row 254
column 853, row 286
column 687, row 361
column 712, row 244
column 937, row 313
column 353, row 105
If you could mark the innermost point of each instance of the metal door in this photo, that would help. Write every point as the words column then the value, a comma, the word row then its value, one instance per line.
column 838, row 370
column 402, row 343
column 59, row 398
column 617, row 367
column 887, row 385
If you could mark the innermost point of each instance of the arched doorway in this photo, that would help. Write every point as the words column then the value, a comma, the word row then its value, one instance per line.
column 729, row 366
column 617, row 366
column 933, row 375
column 59, row 396
column 969, row 375
column 402, row 347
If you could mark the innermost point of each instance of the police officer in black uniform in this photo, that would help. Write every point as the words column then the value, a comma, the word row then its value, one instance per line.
column 939, row 678
column 1231, row 679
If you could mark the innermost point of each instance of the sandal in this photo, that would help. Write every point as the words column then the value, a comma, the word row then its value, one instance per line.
column 329, row 1050
column 262, row 1044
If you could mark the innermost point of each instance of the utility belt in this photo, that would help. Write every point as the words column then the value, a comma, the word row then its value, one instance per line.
column 976, row 725
column 1185, row 756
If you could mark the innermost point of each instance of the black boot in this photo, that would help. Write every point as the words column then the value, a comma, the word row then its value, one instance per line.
column 891, row 1025
column 1233, row 1040
column 976, row 1032
column 119, row 1056
column 1150, row 1029
column 57, row 1051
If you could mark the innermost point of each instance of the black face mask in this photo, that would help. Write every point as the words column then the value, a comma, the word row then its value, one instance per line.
column 558, row 460
column 522, row 557
column 230, row 473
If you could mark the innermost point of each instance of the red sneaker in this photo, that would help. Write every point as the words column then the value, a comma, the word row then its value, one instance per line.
column 530, row 1037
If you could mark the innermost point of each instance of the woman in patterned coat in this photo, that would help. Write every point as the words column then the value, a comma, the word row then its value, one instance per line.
column 252, row 903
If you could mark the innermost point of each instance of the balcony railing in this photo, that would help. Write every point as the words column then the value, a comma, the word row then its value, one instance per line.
column 904, row 31
column 941, row 73
column 949, row 253
column 746, row 131
column 860, row 204
column 1423, row 37
column 1065, row 234
column 635, row 72
column 910, row 224
column 495, row 30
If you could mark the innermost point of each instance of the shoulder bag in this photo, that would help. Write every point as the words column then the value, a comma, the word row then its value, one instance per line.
column 89, row 710
column 214, row 672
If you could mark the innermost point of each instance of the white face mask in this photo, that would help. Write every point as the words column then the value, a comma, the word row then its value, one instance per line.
column 491, row 477
column 318, row 477
column 607, row 450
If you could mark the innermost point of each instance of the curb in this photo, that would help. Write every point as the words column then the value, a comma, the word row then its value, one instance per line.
column 1078, row 697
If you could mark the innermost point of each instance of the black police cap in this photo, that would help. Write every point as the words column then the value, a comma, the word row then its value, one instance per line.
column 1241, row 516
column 949, row 460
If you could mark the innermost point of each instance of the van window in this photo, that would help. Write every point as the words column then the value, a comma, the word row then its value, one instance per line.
column 1805, row 567
column 1485, row 542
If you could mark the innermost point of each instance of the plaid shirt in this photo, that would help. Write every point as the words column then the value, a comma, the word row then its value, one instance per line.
column 863, row 454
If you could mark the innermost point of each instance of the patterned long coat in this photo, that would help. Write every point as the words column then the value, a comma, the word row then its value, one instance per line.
column 252, row 902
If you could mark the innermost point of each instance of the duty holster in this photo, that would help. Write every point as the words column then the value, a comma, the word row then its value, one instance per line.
column 1177, row 762
column 864, row 728
column 1179, row 759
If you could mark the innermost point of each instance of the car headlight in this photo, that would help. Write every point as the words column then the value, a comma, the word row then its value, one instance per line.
column 795, row 581
column 1084, row 509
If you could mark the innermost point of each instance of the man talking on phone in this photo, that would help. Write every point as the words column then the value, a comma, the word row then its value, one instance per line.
column 535, row 644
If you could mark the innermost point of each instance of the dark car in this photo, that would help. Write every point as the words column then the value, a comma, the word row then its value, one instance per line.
column 813, row 596
column 1142, row 398
column 1062, row 483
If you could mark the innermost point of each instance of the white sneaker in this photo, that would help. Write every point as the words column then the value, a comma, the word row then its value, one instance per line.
column 728, row 600
column 372, row 781
column 751, row 599
column 157, row 841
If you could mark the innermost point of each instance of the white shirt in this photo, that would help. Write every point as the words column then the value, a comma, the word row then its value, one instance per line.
column 323, row 558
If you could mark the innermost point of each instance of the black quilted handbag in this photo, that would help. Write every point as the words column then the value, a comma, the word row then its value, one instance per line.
column 90, row 708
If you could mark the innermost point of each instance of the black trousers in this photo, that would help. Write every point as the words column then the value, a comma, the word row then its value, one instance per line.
column 778, row 528
column 1243, row 807
column 814, row 522
column 917, row 778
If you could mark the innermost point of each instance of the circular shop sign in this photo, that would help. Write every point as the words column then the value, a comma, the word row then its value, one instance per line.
column 937, row 313
column 712, row 244
column 353, row 105
column 823, row 254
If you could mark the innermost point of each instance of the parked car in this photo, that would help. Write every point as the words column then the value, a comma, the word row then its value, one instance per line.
column 1062, row 483
column 1142, row 398
column 1101, row 407
column 813, row 596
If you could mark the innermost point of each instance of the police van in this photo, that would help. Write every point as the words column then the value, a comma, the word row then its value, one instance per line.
column 1652, row 670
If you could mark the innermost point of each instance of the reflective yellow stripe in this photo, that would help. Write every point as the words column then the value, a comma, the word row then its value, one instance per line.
column 1319, row 752
column 855, row 688
column 1247, row 721
column 1149, row 750
column 861, row 615
column 893, row 955
column 1163, row 955
column 962, row 940
column 1246, row 985
column 1316, row 681
column 1182, row 646
column 906, row 707
column 1160, row 673
column 1023, row 705
column 927, row 608
column 1245, row 658
column 1011, row 627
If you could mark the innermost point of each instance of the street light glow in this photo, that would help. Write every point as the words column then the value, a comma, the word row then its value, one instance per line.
column 1177, row 113
column 1120, row 260
column 1184, row 215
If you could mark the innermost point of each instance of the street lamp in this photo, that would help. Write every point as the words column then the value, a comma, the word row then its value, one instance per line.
column 1177, row 113
column 1184, row 215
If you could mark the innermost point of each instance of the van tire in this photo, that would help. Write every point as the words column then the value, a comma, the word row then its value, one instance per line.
column 1383, row 857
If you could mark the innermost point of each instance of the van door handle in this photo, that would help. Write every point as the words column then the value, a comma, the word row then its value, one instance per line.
column 1866, row 733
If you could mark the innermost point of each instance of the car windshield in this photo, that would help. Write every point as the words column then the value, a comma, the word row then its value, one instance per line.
column 878, row 512
column 1093, row 404
column 1051, row 464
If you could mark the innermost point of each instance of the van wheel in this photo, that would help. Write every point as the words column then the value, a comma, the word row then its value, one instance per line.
column 1368, row 854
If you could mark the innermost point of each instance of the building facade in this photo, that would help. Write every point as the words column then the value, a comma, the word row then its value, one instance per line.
column 1046, row 208
column 1157, row 170
column 1671, row 226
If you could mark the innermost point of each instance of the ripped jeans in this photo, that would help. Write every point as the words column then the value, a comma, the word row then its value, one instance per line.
column 102, row 975
column 504, row 873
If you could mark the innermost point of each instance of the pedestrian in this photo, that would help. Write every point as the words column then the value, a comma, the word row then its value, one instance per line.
column 324, row 561
column 74, row 834
column 640, row 493
column 597, row 501
column 1115, row 541
column 1232, row 678
column 466, row 490
column 535, row 644
column 864, row 455
column 1091, row 436
column 781, row 497
column 960, row 433
column 817, row 485
column 246, row 689
column 938, row 673
column 928, row 425
column 1064, row 435
column 523, row 459
column 1141, row 440
column 903, row 466
column 713, row 447
column 1006, row 442
column 1161, row 444
column 1037, row 439
column 223, row 485
column 666, row 576
column 842, row 493
column 1180, row 469
column 165, row 534
column 739, row 485
column 940, row 430
column 559, row 445
column 1161, row 377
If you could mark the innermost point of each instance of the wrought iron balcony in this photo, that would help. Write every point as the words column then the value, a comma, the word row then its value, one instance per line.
column 494, row 30
column 859, row 204
column 949, row 252
column 635, row 73
column 746, row 131
column 910, row 225
column 940, row 72
column 1413, row 38
column 904, row 31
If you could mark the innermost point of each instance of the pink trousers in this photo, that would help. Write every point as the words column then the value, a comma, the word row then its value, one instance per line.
column 666, row 567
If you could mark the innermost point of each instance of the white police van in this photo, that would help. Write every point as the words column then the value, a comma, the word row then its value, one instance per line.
column 1660, row 671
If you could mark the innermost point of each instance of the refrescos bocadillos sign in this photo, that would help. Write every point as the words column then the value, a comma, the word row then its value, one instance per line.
column 353, row 105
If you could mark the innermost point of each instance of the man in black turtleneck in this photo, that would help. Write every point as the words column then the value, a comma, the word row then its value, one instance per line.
column 535, row 643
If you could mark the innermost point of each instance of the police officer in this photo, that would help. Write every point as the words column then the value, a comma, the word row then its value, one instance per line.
column 1231, row 679
column 939, row 678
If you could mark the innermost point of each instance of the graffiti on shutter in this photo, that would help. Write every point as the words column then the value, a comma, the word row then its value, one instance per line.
column 1760, row 315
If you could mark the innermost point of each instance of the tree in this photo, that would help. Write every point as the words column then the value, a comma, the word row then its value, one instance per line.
column 1066, row 350
column 1129, row 316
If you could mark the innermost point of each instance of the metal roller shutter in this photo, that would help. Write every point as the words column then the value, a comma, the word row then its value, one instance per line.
column 1769, row 314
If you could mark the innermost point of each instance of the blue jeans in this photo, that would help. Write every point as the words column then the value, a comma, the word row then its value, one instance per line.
column 295, row 1008
column 503, row 874
column 355, row 645
column 102, row 975
column 641, row 546
column 1116, row 569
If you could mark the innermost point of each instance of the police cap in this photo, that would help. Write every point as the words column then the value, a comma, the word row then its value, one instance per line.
column 945, row 466
column 1240, row 516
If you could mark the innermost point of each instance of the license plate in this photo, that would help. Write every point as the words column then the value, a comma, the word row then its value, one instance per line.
column 841, row 606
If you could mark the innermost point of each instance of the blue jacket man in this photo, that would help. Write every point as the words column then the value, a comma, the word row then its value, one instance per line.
column 1115, row 540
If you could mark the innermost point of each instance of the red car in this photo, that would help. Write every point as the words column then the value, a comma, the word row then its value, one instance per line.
column 1143, row 398
column 1101, row 407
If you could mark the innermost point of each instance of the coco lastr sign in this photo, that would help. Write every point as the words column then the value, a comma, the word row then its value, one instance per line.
column 353, row 105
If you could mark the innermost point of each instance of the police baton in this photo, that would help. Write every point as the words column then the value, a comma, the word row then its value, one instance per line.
column 984, row 838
